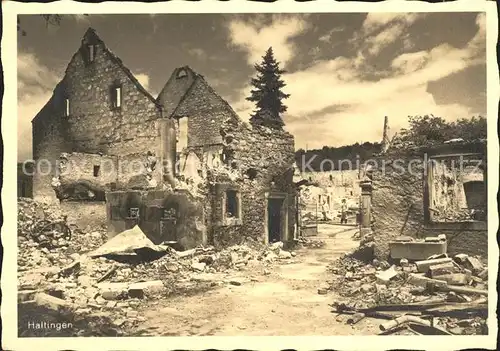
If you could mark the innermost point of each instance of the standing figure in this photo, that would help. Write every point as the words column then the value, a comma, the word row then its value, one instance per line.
column 343, row 212
column 325, row 209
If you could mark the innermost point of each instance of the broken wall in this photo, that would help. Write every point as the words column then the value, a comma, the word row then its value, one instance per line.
column 163, row 216
column 49, row 141
column 330, row 187
column 450, row 197
column 86, row 216
column 258, row 162
column 398, row 208
column 85, row 177
column 93, row 124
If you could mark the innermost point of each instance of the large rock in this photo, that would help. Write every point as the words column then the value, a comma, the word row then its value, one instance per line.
column 51, row 302
column 129, row 241
column 142, row 289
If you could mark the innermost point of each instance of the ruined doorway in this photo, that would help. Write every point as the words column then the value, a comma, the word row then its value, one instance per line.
column 274, row 219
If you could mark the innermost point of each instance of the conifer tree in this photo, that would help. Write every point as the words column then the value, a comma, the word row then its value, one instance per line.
column 267, row 93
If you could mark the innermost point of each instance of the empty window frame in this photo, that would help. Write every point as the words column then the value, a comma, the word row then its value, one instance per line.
column 116, row 96
column 66, row 107
column 91, row 52
column 456, row 189
column 232, row 208
column 97, row 170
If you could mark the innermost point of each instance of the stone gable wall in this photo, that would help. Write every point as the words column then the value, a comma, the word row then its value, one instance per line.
column 206, row 112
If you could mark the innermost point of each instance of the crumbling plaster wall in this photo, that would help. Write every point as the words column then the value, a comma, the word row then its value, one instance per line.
column 259, row 161
column 188, row 229
column 133, row 171
column 398, row 209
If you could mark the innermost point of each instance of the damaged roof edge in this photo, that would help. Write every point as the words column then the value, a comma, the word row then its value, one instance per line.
column 114, row 58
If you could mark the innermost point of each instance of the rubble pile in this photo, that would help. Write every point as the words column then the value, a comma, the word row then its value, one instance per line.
column 46, row 240
column 111, row 280
column 455, row 287
column 42, row 223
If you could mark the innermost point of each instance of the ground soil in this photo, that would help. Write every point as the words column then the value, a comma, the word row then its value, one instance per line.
column 285, row 301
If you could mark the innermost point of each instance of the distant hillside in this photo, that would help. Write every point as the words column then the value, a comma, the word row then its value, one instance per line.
column 335, row 158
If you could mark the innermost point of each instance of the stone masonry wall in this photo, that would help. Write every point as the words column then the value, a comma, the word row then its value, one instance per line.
column 259, row 161
column 94, row 125
column 206, row 111
column 49, row 141
column 398, row 209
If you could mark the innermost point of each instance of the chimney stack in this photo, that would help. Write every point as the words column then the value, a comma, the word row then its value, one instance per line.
column 385, row 137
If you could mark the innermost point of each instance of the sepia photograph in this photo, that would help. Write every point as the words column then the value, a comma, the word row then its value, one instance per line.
column 253, row 174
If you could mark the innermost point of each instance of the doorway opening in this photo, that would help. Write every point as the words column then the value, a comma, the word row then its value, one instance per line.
column 274, row 219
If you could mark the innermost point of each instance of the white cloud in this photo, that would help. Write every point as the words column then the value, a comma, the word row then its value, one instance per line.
column 200, row 53
column 377, row 20
column 328, row 84
column 380, row 29
column 255, row 38
column 35, row 84
column 143, row 79
column 410, row 62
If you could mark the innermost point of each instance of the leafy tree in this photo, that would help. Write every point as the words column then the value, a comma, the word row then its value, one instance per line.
column 267, row 93
column 54, row 20
column 429, row 129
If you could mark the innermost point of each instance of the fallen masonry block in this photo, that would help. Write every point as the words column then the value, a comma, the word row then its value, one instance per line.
column 484, row 274
column 142, row 289
column 385, row 276
column 416, row 250
column 284, row 255
column 25, row 295
column 51, row 302
column 432, row 239
column 236, row 281
column 198, row 266
column 460, row 258
column 441, row 269
column 421, row 280
column 434, row 257
column 112, row 295
column 474, row 264
column 423, row 266
column 112, row 291
column 73, row 267
column 454, row 278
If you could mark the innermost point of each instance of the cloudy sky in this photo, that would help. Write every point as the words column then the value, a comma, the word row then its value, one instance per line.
column 345, row 72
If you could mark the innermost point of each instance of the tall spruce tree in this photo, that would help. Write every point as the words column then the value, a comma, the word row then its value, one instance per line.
column 267, row 93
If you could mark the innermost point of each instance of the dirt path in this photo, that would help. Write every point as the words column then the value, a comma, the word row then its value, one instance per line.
column 283, row 302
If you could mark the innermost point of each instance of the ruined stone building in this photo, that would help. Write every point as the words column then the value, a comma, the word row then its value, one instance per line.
column 25, row 179
column 182, row 166
column 425, row 192
column 327, row 189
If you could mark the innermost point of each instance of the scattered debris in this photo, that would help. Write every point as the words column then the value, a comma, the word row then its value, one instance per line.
column 429, row 297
